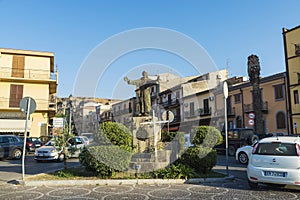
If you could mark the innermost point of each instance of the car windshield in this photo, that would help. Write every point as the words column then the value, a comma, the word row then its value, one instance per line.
column 276, row 148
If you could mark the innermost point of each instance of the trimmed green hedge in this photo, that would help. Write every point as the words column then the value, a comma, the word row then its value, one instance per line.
column 206, row 136
column 202, row 157
column 112, row 151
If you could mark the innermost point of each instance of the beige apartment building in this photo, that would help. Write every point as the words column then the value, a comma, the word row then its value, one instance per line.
column 291, row 40
column 240, row 109
column 25, row 73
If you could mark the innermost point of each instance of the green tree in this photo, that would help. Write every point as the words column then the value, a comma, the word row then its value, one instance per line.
column 60, row 143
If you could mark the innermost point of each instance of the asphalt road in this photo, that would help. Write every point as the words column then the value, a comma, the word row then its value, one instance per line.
column 236, row 189
column 12, row 169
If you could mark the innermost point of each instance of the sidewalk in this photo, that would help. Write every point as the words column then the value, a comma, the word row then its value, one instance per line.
column 123, row 181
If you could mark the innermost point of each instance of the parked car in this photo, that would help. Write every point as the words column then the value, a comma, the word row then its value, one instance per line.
column 46, row 139
column 32, row 143
column 243, row 154
column 77, row 144
column 90, row 136
column 51, row 152
column 275, row 160
column 11, row 146
column 237, row 138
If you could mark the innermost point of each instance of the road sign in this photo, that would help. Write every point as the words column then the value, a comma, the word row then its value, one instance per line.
column 251, row 122
column 58, row 122
column 225, row 89
column 24, row 105
column 251, row 115
column 168, row 115
column 295, row 125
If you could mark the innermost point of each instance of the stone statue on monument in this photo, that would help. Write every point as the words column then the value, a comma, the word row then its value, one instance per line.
column 143, row 91
column 254, row 77
column 253, row 68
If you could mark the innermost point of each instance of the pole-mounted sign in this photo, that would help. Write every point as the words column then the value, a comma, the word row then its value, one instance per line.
column 27, row 106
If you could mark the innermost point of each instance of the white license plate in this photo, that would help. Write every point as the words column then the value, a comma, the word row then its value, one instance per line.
column 276, row 174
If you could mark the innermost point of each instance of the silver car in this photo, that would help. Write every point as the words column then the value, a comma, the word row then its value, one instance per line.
column 50, row 151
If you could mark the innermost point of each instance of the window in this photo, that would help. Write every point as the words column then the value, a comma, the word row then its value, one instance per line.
column 297, row 49
column 280, row 120
column 16, row 94
column 192, row 109
column 206, row 106
column 130, row 107
column 18, row 66
column 230, row 124
column 296, row 97
column 169, row 98
column 177, row 95
column 279, row 92
column 237, row 98
column 239, row 121
column 276, row 149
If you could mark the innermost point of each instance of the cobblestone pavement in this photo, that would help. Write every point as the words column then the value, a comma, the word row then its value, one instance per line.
column 237, row 189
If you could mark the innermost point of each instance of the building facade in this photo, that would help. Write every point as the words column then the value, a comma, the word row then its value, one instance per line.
column 291, row 40
column 25, row 73
column 240, row 113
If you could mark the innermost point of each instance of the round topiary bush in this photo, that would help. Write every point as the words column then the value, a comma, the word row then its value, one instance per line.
column 206, row 136
column 199, row 158
column 111, row 152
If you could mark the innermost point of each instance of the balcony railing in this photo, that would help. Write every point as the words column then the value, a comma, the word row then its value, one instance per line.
column 231, row 111
column 204, row 112
column 188, row 114
column 7, row 72
column 41, row 104
column 249, row 107
column 172, row 102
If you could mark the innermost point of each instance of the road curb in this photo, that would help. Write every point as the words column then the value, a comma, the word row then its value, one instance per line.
column 123, row 181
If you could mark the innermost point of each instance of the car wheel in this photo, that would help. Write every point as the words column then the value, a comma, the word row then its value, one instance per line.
column 231, row 150
column 17, row 154
column 61, row 157
column 243, row 158
column 253, row 185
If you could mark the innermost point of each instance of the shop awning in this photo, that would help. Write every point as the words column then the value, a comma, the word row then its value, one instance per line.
column 13, row 125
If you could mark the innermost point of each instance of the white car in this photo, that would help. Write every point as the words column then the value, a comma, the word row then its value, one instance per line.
column 243, row 154
column 50, row 152
column 275, row 160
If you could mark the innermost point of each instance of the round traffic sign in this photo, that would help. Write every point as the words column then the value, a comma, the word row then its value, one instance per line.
column 251, row 115
column 168, row 115
column 251, row 122
column 27, row 102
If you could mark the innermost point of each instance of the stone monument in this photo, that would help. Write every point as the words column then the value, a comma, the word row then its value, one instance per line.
column 143, row 91
column 254, row 72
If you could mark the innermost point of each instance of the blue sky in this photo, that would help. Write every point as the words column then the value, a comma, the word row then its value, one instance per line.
column 229, row 31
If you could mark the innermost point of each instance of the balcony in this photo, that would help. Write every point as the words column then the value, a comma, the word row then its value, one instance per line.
column 249, row 107
column 204, row 112
column 170, row 103
column 188, row 114
column 33, row 74
column 41, row 104
column 231, row 111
